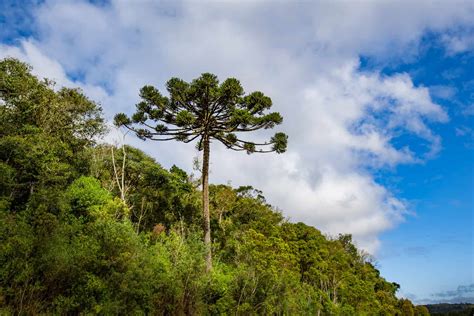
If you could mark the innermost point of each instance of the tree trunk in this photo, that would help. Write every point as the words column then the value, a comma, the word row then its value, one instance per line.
column 205, row 203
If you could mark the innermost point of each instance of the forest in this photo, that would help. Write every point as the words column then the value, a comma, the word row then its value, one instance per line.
column 93, row 228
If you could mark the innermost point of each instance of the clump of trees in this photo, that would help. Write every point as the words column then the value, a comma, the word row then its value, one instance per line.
column 71, row 242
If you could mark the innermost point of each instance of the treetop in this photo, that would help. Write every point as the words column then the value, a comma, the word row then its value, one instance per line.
column 205, row 109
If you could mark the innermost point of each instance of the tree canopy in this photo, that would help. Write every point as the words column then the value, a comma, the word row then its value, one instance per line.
column 205, row 109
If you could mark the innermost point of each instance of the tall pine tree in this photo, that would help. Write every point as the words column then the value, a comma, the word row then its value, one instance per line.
column 205, row 110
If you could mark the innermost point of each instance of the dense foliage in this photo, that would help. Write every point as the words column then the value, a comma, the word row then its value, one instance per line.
column 74, row 239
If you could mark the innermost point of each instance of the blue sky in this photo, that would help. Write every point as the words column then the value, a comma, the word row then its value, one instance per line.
column 377, row 99
column 441, row 190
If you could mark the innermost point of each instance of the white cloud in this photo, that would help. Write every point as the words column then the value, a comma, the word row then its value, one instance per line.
column 340, row 120
column 443, row 92
column 456, row 44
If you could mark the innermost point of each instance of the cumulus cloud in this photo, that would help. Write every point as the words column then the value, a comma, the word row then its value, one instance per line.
column 336, row 132
column 342, row 121
column 456, row 44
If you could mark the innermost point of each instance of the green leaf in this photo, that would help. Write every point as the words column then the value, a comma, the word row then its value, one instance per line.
column 184, row 119
column 280, row 142
column 121, row 119
column 249, row 147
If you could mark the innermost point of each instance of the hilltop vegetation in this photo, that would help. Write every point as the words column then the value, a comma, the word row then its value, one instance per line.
column 464, row 309
column 95, row 229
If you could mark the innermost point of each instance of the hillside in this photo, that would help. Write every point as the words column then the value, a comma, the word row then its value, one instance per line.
column 451, row 309
column 88, row 228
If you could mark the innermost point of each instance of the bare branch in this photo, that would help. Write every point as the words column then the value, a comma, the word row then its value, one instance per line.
column 190, row 140
column 256, row 144
column 162, row 139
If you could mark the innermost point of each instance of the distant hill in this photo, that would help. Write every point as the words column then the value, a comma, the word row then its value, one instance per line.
column 451, row 309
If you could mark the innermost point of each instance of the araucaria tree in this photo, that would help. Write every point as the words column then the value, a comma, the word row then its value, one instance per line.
column 204, row 110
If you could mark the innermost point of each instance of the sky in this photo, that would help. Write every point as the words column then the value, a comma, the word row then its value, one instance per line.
column 377, row 99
